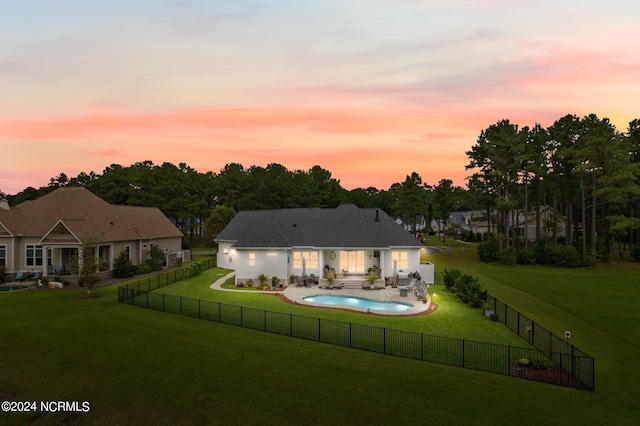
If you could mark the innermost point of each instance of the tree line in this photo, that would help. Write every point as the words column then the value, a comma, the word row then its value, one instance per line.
column 191, row 198
column 586, row 169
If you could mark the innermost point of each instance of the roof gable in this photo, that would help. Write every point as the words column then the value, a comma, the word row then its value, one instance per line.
column 346, row 226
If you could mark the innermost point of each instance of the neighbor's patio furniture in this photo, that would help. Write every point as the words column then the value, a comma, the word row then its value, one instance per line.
column 20, row 276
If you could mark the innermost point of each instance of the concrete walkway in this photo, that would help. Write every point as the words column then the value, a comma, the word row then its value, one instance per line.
column 297, row 294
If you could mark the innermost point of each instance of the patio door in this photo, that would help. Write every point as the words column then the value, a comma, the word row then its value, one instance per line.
column 352, row 261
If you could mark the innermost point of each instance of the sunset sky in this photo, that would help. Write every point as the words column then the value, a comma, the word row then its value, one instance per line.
column 371, row 90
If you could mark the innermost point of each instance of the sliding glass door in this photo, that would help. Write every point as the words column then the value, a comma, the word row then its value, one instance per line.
column 352, row 261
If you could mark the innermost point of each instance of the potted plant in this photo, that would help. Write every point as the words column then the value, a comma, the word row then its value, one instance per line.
column 487, row 311
column 275, row 281
column 424, row 299
column 371, row 279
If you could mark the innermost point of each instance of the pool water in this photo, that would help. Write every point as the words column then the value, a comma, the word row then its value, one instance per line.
column 358, row 302
column 12, row 287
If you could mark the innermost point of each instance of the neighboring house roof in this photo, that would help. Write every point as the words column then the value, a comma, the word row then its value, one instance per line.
column 79, row 212
column 346, row 226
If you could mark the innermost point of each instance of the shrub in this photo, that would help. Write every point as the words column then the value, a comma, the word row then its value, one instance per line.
column 142, row 268
column 123, row 267
column 470, row 291
column 508, row 256
column 156, row 258
column 466, row 287
column 562, row 255
column 635, row 253
column 488, row 250
column 451, row 277
column 263, row 278
column 524, row 257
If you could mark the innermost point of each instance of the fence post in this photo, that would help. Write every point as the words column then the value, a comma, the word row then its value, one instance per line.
column 180, row 305
column 318, row 329
column 384, row 340
column 506, row 307
column 462, row 353
column 199, row 308
column 573, row 362
column 162, row 300
column 264, row 314
column 533, row 334
column 350, row 324
column 241, row 325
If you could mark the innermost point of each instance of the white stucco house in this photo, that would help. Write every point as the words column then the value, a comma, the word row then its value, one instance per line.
column 347, row 239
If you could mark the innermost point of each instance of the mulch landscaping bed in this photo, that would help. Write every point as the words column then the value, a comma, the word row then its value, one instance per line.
column 554, row 375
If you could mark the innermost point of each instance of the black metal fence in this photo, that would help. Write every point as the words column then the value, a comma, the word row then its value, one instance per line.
column 572, row 360
column 549, row 365
column 154, row 282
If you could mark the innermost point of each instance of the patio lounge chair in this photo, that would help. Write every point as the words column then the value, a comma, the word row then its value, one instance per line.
column 20, row 276
column 410, row 286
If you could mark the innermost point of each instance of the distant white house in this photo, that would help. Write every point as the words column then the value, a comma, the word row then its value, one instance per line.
column 290, row 242
column 419, row 223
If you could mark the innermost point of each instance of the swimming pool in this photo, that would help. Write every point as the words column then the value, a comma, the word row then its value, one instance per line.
column 12, row 287
column 358, row 302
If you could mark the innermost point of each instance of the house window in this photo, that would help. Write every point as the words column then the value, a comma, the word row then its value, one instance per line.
column 252, row 259
column 401, row 259
column 34, row 255
column 310, row 259
column 3, row 255
column 104, row 258
column 127, row 250
column 352, row 261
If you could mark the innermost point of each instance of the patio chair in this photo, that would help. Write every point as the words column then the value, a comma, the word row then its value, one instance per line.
column 20, row 276
column 37, row 275
column 57, row 269
column 410, row 286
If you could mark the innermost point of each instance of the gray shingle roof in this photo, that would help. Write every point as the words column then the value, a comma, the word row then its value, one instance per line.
column 346, row 226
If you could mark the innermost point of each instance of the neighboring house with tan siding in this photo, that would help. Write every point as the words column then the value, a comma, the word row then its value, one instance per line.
column 44, row 235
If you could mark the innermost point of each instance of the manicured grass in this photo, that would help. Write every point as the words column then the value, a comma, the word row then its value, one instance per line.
column 598, row 305
column 452, row 319
column 139, row 366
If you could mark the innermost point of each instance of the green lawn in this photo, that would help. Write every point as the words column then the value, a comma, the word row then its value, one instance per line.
column 139, row 366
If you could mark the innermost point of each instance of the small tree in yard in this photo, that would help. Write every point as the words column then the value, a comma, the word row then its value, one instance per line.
column 156, row 257
column 86, row 266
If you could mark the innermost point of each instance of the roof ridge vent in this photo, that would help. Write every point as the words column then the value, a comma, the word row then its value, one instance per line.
column 377, row 217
